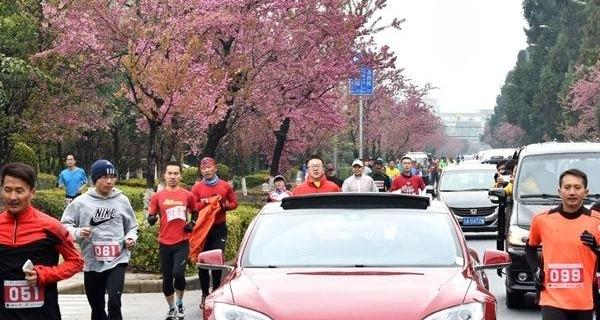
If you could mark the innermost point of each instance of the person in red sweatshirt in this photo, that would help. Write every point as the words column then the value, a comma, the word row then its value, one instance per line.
column 406, row 182
column 316, row 182
column 209, row 186
column 30, row 243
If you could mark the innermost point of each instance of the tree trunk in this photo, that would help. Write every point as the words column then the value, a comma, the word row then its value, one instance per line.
column 215, row 133
column 151, row 156
column 281, row 136
column 116, row 153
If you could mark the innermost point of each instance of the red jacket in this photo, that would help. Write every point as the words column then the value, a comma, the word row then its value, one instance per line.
column 36, row 236
column 203, row 191
column 408, row 184
column 309, row 187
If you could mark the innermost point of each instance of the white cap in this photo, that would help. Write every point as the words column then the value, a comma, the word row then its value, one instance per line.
column 357, row 162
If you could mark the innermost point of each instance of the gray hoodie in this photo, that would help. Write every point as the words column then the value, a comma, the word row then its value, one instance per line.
column 112, row 220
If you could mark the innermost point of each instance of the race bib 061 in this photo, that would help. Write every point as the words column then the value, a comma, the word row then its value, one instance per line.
column 106, row 250
column 566, row 276
column 18, row 294
column 177, row 212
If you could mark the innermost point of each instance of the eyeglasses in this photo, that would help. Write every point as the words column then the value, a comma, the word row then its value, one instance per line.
column 108, row 177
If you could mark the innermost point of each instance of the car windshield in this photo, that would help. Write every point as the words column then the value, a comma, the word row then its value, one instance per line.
column 352, row 238
column 464, row 180
column 538, row 175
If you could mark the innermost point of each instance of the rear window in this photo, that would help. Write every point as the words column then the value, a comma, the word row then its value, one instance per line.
column 353, row 238
column 467, row 180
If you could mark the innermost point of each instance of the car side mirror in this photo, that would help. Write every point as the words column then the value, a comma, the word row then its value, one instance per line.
column 213, row 260
column 494, row 259
column 497, row 195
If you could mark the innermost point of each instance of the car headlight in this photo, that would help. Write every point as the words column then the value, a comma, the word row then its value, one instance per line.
column 516, row 235
column 470, row 311
column 224, row 311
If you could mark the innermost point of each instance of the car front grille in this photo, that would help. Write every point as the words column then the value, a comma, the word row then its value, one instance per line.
column 466, row 212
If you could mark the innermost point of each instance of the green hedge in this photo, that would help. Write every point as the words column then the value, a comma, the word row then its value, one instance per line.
column 52, row 201
column 136, row 183
column 256, row 179
column 46, row 181
column 145, row 257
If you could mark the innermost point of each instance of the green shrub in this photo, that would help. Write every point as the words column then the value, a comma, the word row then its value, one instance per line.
column 344, row 172
column 51, row 201
column 136, row 183
column 237, row 223
column 46, row 181
column 256, row 179
column 224, row 172
column 145, row 258
column 189, row 176
column 23, row 153
column 135, row 195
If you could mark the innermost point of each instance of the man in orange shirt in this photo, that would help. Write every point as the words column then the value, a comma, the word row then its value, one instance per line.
column 569, row 235
column 316, row 182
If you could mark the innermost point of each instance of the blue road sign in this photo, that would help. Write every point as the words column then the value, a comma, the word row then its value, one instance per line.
column 362, row 86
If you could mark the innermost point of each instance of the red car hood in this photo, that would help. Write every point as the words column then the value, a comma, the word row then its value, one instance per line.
column 350, row 293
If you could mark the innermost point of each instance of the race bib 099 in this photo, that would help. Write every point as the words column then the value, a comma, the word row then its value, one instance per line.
column 106, row 250
column 177, row 212
column 18, row 294
column 566, row 276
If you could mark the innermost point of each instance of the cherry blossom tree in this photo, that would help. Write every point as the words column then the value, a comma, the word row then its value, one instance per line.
column 583, row 103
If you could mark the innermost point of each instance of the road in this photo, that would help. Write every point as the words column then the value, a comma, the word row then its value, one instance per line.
column 483, row 241
column 152, row 305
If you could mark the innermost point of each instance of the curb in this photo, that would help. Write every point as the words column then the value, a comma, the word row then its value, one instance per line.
column 132, row 286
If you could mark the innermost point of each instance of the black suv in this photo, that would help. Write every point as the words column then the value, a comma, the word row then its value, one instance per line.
column 536, row 189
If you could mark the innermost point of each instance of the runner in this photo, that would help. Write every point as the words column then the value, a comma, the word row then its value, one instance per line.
column 569, row 235
column 407, row 182
column 209, row 186
column 73, row 179
column 103, row 222
column 173, row 204
column 28, row 235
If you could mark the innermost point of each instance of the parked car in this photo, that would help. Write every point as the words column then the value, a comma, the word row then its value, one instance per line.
column 353, row 256
column 536, row 189
column 464, row 189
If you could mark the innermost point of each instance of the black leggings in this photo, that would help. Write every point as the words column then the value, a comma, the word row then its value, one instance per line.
column 551, row 313
column 216, row 239
column 97, row 283
column 172, row 265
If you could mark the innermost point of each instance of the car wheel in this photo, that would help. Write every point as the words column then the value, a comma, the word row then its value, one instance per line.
column 514, row 299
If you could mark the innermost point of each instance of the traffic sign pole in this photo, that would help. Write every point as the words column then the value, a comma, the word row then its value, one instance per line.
column 360, row 128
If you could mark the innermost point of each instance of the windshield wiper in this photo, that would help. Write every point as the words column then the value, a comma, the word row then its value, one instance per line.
column 541, row 196
column 461, row 190
column 476, row 189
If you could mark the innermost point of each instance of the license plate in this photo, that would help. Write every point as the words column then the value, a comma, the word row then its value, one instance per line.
column 473, row 221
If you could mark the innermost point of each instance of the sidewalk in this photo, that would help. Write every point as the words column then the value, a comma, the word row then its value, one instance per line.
column 134, row 283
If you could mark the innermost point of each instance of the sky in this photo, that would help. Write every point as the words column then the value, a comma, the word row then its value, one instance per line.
column 464, row 48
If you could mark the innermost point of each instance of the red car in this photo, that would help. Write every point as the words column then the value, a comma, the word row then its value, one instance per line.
column 353, row 256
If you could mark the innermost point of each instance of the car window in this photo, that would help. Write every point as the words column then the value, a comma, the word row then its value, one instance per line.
column 465, row 180
column 539, row 174
column 353, row 238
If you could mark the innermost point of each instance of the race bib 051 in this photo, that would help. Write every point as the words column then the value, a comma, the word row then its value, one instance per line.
column 18, row 294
